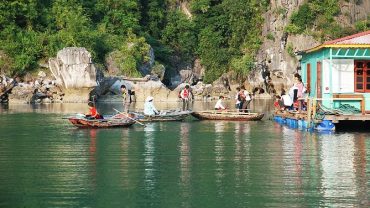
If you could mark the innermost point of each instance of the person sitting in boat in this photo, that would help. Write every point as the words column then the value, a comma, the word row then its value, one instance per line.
column 93, row 113
column 149, row 108
column 219, row 105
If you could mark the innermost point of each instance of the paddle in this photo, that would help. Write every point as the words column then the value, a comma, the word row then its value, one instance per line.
column 129, row 117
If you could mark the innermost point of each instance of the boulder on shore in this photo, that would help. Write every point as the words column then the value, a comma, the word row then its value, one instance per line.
column 73, row 68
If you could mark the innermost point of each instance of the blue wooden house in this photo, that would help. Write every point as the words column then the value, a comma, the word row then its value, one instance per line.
column 337, row 72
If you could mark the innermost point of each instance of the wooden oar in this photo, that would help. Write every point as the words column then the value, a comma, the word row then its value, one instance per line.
column 129, row 117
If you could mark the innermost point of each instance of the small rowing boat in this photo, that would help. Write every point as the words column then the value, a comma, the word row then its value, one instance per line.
column 227, row 115
column 171, row 115
column 119, row 120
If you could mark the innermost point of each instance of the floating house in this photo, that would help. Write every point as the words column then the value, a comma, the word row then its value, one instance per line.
column 336, row 75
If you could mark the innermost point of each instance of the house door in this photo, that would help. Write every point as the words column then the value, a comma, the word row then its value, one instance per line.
column 318, row 81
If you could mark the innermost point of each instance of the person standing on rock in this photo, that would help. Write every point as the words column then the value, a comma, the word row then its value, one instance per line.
column 124, row 93
column 247, row 100
column 125, row 97
column 185, row 95
column 241, row 98
column 237, row 99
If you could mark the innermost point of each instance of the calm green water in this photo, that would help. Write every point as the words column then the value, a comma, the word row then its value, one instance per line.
column 46, row 162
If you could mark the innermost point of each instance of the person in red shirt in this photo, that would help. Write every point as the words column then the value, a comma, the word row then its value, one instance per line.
column 185, row 96
column 93, row 113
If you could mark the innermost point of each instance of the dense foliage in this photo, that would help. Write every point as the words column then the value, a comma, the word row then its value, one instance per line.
column 224, row 34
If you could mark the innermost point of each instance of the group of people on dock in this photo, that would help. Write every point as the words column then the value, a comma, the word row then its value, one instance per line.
column 294, row 99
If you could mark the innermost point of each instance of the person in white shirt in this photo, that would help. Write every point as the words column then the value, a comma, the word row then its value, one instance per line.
column 247, row 99
column 149, row 108
column 287, row 100
column 219, row 105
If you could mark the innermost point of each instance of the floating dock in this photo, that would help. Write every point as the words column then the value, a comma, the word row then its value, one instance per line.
column 318, row 117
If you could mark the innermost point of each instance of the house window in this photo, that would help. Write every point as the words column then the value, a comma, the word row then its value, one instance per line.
column 362, row 76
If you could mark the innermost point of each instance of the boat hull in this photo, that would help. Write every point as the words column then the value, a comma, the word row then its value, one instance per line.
column 169, row 116
column 229, row 116
column 110, row 122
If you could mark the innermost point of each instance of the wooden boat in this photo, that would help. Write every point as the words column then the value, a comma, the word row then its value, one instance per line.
column 119, row 120
column 227, row 115
column 171, row 115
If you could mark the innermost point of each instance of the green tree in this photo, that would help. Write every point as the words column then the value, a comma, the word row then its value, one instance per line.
column 117, row 16
column 180, row 34
column 153, row 16
column 132, row 53
column 229, row 34
column 18, row 38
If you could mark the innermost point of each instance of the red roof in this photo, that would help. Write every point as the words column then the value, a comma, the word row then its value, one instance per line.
column 359, row 38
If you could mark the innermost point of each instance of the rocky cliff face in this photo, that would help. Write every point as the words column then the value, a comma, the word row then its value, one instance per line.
column 73, row 68
column 276, row 62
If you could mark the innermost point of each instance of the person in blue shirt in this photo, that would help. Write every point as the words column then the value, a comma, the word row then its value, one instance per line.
column 149, row 108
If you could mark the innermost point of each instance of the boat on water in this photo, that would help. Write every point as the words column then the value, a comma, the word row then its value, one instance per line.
column 118, row 120
column 227, row 115
column 171, row 115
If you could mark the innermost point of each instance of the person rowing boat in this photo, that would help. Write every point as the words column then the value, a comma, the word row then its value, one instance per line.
column 93, row 112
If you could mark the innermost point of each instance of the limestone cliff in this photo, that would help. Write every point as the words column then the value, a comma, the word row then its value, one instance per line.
column 276, row 60
column 73, row 68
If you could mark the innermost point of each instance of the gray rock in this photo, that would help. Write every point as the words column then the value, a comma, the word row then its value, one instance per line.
column 73, row 68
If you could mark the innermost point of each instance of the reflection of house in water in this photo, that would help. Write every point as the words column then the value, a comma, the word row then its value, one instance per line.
column 338, row 170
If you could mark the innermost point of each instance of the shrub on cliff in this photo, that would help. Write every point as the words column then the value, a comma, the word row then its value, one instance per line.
column 133, row 52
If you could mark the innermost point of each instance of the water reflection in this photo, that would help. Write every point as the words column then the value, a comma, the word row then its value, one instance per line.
column 179, row 164
column 242, row 151
column 360, row 164
column 92, row 152
column 149, row 152
column 219, row 155
column 124, row 157
column 185, row 163
column 338, row 173
column 292, row 160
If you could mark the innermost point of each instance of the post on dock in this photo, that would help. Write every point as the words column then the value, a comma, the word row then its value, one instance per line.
column 309, row 111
